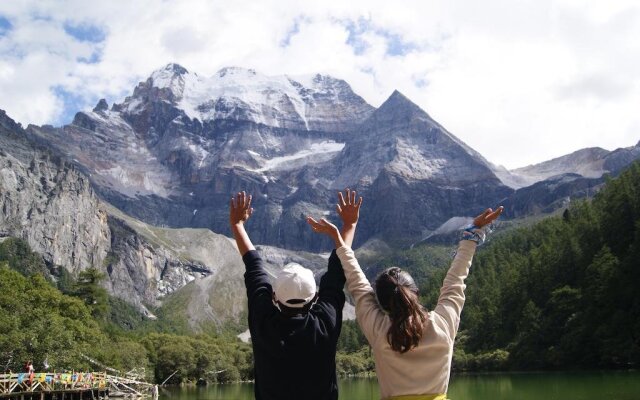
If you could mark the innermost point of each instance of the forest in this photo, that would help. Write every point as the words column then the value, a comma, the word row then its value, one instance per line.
column 558, row 294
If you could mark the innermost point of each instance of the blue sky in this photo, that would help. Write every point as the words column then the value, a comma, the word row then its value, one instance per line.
column 521, row 82
column 85, row 32
column 5, row 25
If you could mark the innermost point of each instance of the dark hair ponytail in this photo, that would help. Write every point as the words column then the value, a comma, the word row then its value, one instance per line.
column 398, row 295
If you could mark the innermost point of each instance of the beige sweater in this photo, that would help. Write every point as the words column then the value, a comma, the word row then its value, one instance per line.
column 424, row 369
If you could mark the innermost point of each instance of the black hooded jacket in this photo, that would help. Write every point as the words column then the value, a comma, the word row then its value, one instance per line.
column 294, row 357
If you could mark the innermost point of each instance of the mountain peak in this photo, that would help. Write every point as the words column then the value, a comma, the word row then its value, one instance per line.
column 399, row 107
column 175, row 69
column 398, row 94
column 397, row 99
column 171, row 77
column 7, row 122
column 101, row 106
column 168, row 72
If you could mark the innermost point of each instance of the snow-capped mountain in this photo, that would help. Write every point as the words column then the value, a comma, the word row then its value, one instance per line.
column 301, row 102
column 179, row 128
column 174, row 151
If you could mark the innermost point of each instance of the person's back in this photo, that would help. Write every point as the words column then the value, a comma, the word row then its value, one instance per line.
column 294, row 329
column 425, row 367
column 294, row 353
column 412, row 348
column 284, row 369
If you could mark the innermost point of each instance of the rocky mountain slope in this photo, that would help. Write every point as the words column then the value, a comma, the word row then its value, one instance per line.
column 414, row 173
column 215, row 292
column 588, row 163
column 50, row 204
column 173, row 152
column 553, row 184
column 45, row 201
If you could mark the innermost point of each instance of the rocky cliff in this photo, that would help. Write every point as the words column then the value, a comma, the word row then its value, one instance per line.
column 49, row 203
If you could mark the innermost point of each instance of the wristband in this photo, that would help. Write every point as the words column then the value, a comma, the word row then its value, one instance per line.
column 475, row 234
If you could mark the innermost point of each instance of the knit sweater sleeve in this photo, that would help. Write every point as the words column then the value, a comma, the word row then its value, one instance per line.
column 368, row 313
column 452, row 297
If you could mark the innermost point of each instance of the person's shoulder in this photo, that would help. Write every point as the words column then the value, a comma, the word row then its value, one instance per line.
column 324, row 311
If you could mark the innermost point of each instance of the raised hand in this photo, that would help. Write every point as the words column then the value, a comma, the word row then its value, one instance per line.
column 349, row 209
column 487, row 217
column 240, row 208
column 327, row 228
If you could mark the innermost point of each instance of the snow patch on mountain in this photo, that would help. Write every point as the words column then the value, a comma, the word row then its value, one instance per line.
column 200, row 153
column 317, row 152
column 453, row 224
column 134, row 106
column 508, row 178
column 110, row 122
column 134, row 182
column 305, row 102
column 233, row 87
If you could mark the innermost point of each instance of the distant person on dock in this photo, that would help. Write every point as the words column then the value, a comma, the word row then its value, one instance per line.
column 28, row 367
column 412, row 347
column 29, row 371
column 294, row 327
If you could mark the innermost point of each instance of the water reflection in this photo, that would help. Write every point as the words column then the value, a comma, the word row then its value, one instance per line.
column 618, row 385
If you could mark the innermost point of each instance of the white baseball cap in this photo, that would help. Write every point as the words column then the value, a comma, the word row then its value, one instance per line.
column 295, row 286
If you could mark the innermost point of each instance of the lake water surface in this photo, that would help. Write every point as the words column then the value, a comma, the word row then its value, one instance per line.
column 592, row 385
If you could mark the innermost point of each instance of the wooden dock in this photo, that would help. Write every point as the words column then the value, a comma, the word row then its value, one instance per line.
column 71, row 386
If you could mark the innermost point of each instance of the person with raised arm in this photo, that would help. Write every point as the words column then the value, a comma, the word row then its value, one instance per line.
column 294, row 327
column 412, row 347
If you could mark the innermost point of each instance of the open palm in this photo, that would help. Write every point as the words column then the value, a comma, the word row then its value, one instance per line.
column 240, row 208
column 487, row 217
column 348, row 208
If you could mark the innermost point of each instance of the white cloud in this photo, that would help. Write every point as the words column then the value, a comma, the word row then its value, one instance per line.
column 521, row 82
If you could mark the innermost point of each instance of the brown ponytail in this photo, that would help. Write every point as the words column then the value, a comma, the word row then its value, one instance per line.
column 398, row 295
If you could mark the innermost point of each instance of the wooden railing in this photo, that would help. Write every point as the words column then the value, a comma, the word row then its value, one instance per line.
column 14, row 385
column 23, row 382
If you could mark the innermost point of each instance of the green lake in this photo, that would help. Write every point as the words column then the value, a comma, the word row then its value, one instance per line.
column 591, row 385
